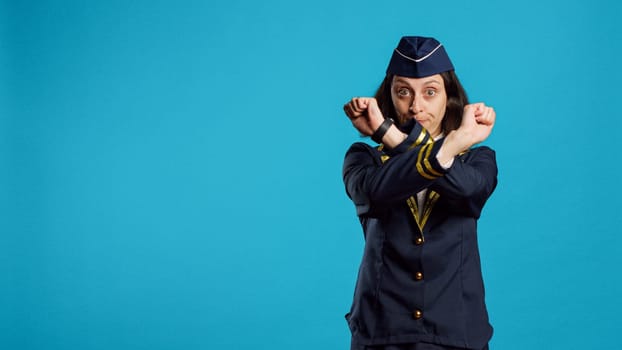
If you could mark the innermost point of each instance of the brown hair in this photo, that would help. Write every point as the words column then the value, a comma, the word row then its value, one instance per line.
column 456, row 100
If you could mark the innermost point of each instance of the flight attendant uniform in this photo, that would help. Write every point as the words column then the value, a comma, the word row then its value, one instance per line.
column 419, row 284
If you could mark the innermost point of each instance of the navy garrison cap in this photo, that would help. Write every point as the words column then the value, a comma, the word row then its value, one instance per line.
column 418, row 57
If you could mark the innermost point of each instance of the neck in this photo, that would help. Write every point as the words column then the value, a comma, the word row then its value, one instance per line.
column 437, row 134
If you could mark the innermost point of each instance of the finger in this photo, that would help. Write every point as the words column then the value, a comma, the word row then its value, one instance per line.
column 488, row 114
column 480, row 108
column 362, row 103
column 349, row 111
column 346, row 107
column 488, row 117
column 355, row 112
column 472, row 107
column 355, row 104
column 493, row 116
column 482, row 115
column 352, row 104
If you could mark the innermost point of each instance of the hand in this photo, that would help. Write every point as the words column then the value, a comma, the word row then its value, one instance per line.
column 477, row 123
column 364, row 114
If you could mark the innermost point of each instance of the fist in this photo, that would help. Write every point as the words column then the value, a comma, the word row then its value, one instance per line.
column 364, row 114
column 477, row 122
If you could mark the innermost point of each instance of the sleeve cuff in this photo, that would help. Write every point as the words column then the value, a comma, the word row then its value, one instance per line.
column 427, row 164
column 417, row 136
column 448, row 164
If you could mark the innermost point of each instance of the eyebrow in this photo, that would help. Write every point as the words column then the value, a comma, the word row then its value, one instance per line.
column 431, row 81
column 398, row 80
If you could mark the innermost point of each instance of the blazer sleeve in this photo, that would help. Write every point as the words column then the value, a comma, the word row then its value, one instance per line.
column 373, row 184
column 469, row 182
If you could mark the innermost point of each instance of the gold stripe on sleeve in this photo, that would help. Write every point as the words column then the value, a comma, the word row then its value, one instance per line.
column 420, row 139
column 419, row 160
column 427, row 164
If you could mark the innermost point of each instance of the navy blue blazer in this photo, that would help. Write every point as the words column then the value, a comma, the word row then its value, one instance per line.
column 420, row 277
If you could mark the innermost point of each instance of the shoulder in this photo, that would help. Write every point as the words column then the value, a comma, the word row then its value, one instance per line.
column 362, row 147
column 361, row 153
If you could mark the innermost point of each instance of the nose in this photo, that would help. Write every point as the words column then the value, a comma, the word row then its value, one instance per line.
column 416, row 104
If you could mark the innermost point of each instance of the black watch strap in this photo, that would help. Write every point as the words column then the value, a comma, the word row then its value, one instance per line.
column 382, row 129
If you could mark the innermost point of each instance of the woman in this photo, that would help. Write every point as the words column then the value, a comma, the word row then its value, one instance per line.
column 418, row 197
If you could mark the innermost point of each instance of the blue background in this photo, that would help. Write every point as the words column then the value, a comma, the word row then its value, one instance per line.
column 170, row 171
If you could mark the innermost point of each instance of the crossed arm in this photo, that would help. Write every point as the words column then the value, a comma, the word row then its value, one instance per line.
column 467, row 180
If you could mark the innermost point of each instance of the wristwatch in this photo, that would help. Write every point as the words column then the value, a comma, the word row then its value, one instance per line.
column 382, row 129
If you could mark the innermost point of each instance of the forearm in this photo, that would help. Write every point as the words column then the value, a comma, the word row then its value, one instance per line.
column 370, row 180
column 393, row 137
column 475, row 127
column 455, row 143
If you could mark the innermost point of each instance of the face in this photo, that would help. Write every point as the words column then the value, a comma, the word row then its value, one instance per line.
column 423, row 99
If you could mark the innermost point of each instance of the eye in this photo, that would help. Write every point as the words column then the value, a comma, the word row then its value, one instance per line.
column 403, row 92
column 430, row 92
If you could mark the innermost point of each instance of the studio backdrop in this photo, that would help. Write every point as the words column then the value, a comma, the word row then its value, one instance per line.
column 170, row 171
